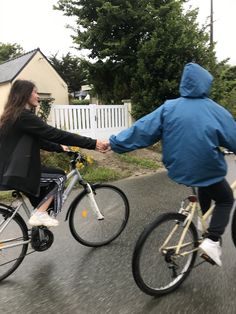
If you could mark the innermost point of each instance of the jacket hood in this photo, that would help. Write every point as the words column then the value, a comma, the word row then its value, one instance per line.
column 195, row 82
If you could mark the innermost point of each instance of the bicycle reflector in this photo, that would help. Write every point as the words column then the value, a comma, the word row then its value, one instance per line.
column 192, row 198
column 84, row 213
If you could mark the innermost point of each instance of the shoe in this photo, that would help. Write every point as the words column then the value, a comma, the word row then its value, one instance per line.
column 212, row 249
column 43, row 219
column 200, row 226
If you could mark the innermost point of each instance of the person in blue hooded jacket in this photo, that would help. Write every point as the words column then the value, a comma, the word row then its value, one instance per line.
column 192, row 129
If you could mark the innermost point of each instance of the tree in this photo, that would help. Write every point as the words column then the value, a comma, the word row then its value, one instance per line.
column 228, row 92
column 140, row 48
column 175, row 40
column 229, row 102
column 72, row 70
column 45, row 108
column 111, row 31
column 9, row 51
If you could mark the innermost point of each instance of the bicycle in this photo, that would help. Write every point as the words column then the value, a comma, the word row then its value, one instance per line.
column 97, row 216
column 166, row 250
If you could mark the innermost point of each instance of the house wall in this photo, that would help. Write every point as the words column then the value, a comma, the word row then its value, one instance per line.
column 4, row 91
column 44, row 76
column 47, row 80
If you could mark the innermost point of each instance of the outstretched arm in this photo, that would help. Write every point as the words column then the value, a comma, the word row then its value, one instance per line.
column 31, row 124
column 144, row 132
column 50, row 146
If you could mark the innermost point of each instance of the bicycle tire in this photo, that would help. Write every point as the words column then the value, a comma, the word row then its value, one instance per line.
column 233, row 227
column 153, row 271
column 16, row 230
column 83, row 223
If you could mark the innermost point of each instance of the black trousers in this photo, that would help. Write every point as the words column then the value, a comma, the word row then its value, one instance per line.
column 222, row 194
column 44, row 188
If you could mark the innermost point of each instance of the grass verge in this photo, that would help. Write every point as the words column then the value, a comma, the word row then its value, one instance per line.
column 101, row 174
column 143, row 162
column 6, row 197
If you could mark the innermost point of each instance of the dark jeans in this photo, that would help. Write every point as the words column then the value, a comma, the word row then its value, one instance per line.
column 222, row 194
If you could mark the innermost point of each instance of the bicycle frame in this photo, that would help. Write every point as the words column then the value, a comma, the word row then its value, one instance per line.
column 190, row 210
column 73, row 177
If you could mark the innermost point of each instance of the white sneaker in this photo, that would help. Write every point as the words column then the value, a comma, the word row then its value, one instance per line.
column 43, row 219
column 212, row 249
column 200, row 226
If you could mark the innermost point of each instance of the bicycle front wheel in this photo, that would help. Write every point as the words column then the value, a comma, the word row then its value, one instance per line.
column 13, row 242
column 84, row 223
column 157, row 268
column 233, row 227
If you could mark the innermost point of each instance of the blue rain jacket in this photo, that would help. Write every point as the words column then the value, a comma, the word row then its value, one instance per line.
column 192, row 128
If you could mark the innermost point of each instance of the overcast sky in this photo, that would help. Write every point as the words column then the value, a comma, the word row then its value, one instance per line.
column 224, row 25
column 34, row 24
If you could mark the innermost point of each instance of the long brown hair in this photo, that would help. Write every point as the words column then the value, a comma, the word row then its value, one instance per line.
column 18, row 97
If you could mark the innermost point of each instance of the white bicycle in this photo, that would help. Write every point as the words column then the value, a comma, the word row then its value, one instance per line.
column 166, row 250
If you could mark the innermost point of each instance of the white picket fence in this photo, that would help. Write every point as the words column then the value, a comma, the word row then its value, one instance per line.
column 96, row 121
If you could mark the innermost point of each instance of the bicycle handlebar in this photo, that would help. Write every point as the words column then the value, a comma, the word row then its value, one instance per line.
column 76, row 157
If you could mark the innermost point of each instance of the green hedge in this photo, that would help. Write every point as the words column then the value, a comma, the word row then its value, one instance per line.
column 79, row 102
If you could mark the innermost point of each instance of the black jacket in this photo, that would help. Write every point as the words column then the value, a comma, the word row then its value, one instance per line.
column 20, row 150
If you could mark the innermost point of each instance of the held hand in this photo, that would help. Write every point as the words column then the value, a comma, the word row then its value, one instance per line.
column 65, row 148
column 106, row 146
column 103, row 146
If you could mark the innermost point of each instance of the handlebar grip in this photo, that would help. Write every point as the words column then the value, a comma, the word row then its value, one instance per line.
column 70, row 153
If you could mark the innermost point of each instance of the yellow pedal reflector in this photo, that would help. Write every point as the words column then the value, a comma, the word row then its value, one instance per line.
column 84, row 213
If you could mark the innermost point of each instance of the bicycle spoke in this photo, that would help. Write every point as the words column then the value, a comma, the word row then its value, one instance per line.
column 91, row 231
column 13, row 243
column 157, row 268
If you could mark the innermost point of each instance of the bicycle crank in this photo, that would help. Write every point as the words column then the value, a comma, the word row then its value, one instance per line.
column 41, row 238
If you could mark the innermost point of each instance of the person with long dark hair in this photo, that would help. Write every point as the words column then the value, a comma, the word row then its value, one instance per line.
column 22, row 135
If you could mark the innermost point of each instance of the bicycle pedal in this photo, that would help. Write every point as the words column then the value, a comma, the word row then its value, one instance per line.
column 207, row 259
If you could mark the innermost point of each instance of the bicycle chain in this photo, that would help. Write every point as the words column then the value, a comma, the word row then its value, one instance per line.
column 17, row 258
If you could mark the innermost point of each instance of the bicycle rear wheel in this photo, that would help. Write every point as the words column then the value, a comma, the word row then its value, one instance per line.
column 157, row 269
column 87, row 228
column 12, row 248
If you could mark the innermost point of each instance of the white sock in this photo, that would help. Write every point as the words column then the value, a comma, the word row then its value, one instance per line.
column 39, row 213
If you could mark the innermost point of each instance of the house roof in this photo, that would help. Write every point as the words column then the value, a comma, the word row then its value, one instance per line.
column 11, row 68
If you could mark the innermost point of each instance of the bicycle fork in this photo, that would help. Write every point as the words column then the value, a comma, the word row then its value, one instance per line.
column 89, row 192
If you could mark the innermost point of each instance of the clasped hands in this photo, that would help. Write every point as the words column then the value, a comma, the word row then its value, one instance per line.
column 103, row 146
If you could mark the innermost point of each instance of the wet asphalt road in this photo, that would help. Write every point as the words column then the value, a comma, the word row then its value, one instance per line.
column 70, row 278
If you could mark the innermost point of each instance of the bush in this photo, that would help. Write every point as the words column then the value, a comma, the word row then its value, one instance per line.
column 57, row 160
column 45, row 108
column 79, row 102
column 90, row 172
